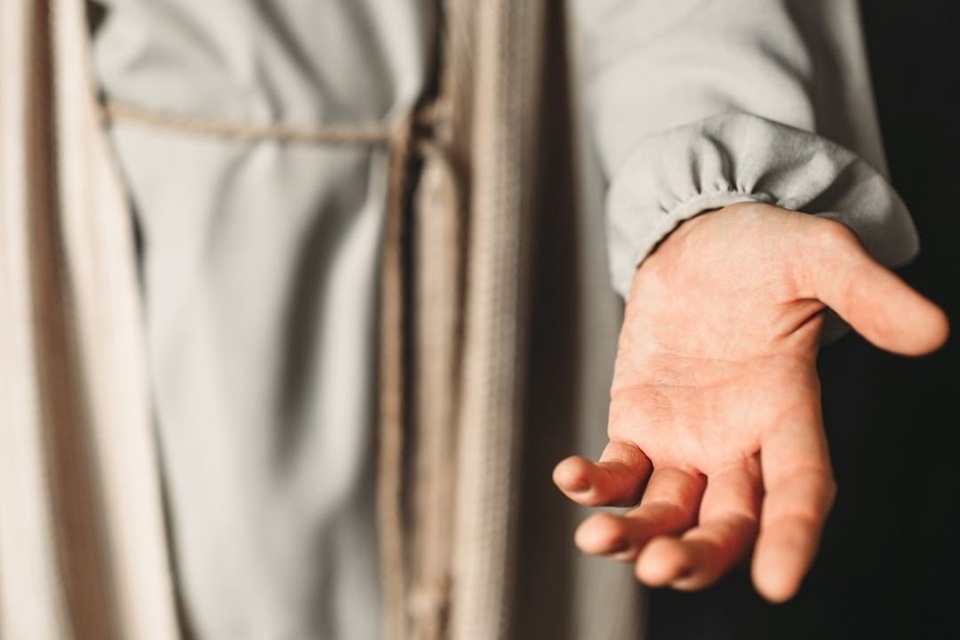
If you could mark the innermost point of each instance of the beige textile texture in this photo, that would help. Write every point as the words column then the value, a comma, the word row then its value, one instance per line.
column 504, row 139
column 82, row 549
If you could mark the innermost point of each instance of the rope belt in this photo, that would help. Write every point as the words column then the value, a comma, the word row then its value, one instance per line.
column 363, row 134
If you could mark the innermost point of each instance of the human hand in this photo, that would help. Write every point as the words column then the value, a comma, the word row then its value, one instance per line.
column 715, row 404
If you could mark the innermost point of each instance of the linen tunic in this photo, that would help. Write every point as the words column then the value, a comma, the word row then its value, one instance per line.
column 259, row 275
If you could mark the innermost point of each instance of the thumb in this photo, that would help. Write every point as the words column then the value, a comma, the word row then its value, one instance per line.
column 873, row 300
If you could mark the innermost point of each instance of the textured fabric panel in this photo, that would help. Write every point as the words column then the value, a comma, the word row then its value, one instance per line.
column 82, row 553
column 33, row 600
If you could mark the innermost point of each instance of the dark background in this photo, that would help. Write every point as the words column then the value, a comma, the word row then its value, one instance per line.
column 890, row 562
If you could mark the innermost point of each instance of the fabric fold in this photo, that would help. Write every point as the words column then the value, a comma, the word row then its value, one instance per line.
column 736, row 157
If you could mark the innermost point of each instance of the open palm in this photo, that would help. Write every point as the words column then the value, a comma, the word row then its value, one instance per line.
column 715, row 424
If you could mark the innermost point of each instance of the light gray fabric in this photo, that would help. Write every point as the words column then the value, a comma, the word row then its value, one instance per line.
column 260, row 281
column 697, row 104
column 260, row 258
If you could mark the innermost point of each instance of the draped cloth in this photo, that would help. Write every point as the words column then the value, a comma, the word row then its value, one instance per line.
column 82, row 543
column 83, row 548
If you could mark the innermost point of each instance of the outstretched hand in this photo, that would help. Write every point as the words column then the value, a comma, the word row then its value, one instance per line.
column 715, row 425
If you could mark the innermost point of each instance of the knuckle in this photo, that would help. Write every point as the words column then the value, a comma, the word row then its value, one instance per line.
column 831, row 493
column 834, row 237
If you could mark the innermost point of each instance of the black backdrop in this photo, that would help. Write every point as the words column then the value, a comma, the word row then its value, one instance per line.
column 890, row 562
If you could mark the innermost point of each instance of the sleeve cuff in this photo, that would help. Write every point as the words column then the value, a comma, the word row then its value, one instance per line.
column 732, row 158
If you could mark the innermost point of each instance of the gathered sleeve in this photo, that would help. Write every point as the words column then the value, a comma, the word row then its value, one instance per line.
column 694, row 105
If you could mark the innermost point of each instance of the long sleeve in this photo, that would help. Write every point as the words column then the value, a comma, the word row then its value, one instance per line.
column 698, row 104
